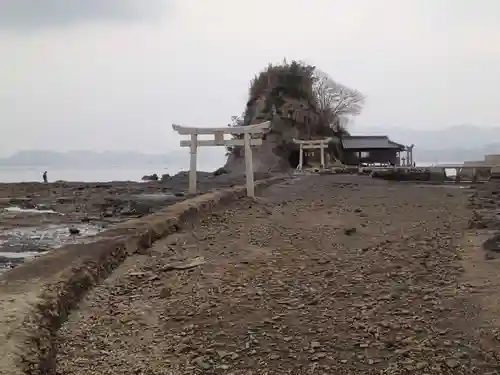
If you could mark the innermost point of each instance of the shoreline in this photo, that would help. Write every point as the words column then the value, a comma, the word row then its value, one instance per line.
column 38, row 218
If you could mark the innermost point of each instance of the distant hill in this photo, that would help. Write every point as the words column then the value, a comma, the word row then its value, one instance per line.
column 452, row 144
column 77, row 159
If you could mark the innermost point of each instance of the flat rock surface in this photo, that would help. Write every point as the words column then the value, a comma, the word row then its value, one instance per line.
column 321, row 275
column 36, row 217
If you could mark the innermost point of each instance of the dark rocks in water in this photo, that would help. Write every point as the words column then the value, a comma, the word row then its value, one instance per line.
column 220, row 171
column 152, row 177
column 44, row 207
column 24, row 203
column 108, row 213
column 74, row 231
column 128, row 211
column 65, row 200
column 8, row 262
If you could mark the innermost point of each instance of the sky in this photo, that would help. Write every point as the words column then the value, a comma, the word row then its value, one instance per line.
column 115, row 74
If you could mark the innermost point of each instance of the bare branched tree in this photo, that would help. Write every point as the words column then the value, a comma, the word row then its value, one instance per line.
column 335, row 100
column 235, row 121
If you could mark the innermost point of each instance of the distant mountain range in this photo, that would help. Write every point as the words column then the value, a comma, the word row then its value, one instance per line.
column 77, row 159
column 452, row 144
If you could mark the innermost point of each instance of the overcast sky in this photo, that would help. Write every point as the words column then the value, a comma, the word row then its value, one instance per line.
column 115, row 74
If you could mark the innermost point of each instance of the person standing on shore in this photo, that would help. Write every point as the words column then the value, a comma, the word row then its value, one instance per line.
column 45, row 180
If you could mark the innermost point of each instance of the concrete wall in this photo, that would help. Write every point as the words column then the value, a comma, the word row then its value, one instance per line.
column 37, row 297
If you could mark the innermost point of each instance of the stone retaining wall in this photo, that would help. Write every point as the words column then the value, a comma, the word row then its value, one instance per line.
column 37, row 297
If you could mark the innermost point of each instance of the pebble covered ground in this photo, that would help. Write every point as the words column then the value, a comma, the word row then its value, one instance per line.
column 36, row 217
column 321, row 275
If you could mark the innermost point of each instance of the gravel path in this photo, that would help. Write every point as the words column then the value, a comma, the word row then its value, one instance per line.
column 322, row 275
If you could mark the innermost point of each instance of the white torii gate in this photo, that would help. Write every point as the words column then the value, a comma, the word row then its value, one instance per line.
column 218, row 133
column 312, row 144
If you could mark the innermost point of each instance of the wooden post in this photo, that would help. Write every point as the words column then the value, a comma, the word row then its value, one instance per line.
column 301, row 157
column 322, row 155
column 192, row 164
column 249, row 166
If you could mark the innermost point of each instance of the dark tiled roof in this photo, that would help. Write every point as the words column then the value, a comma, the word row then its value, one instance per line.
column 369, row 142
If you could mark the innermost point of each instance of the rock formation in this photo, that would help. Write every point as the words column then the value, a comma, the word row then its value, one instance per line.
column 152, row 177
column 284, row 95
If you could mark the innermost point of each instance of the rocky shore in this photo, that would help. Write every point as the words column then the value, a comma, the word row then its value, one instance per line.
column 333, row 274
column 36, row 217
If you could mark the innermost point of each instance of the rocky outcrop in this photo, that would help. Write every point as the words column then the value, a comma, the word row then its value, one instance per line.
column 277, row 154
column 151, row 177
column 220, row 171
column 294, row 97
column 274, row 154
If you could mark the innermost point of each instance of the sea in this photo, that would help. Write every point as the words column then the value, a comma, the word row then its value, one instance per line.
column 118, row 173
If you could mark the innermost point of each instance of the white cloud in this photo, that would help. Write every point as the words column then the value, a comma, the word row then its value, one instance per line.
column 120, row 85
column 41, row 14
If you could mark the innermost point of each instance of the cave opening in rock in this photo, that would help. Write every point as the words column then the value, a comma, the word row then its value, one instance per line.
column 294, row 157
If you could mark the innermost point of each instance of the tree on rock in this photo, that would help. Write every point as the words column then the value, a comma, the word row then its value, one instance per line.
column 302, row 103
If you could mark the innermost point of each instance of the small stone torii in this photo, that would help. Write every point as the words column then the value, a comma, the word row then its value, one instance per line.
column 312, row 144
column 218, row 133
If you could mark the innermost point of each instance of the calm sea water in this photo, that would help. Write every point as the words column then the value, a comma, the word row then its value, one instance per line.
column 28, row 174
